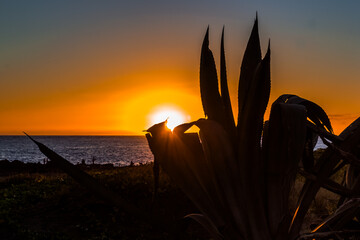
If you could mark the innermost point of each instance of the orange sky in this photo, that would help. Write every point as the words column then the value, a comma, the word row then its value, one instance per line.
column 105, row 68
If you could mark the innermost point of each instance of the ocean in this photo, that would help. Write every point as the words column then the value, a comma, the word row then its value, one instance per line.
column 117, row 150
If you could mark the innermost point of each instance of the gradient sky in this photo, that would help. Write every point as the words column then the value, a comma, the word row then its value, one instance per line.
column 103, row 67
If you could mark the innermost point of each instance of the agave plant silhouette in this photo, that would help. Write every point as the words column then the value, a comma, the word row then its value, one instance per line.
column 240, row 176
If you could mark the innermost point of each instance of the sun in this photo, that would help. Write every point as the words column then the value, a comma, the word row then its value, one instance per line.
column 173, row 115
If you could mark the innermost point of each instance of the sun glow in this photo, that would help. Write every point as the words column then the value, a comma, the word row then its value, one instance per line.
column 173, row 116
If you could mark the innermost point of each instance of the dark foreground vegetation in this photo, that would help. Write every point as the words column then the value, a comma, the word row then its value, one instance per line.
column 40, row 202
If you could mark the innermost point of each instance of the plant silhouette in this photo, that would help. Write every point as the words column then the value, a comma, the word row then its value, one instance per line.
column 240, row 176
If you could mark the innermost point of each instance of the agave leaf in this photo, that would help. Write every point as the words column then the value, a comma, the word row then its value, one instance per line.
column 198, row 166
column 251, row 124
column 323, row 168
column 207, row 224
column 353, row 182
column 182, row 128
column 85, row 179
column 329, row 185
column 345, row 213
column 157, row 128
column 209, row 87
column 314, row 111
column 156, row 166
column 250, row 165
column 182, row 158
column 327, row 235
column 353, row 178
column 245, row 219
column 265, row 136
column 251, row 59
column 230, row 122
column 154, row 131
column 257, row 100
column 308, row 153
column 351, row 129
column 321, row 132
column 220, row 158
column 346, row 156
column 283, row 150
column 350, row 139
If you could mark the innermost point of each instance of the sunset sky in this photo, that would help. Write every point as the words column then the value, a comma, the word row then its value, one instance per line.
column 106, row 67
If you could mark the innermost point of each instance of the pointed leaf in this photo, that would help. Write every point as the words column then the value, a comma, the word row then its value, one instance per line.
column 251, row 59
column 250, row 127
column 157, row 128
column 85, row 179
column 209, row 87
column 284, row 148
column 229, row 117
column 314, row 111
column 258, row 97
column 345, row 213
column 182, row 128
column 249, row 135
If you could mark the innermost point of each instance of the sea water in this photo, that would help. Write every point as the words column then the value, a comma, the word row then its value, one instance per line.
column 117, row 150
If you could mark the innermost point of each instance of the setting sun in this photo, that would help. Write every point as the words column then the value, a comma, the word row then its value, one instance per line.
column 174, row 117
